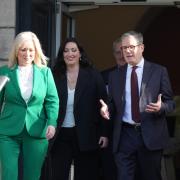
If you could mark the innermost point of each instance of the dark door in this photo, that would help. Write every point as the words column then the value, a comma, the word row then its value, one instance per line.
column 38, row 16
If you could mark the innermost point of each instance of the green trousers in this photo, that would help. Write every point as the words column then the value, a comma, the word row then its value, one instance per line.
column 33, row 152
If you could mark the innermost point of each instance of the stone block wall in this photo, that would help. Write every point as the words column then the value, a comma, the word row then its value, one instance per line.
column 7, row 27
column 7, row 30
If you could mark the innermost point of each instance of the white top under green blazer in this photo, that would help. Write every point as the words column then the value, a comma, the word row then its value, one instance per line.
column 37, row 113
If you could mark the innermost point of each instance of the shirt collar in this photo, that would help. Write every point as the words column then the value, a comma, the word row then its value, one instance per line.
column 139, row 65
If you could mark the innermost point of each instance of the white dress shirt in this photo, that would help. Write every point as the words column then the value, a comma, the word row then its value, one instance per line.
column 69, row 120
column 25, row 76
column 127, row 117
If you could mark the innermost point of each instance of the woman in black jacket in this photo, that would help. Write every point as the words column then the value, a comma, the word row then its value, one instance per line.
column 81, row 129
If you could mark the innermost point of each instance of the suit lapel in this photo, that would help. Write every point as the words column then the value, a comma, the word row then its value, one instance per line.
column 123, row 72
column 120, row 82
column 13, row 75
column 61, row 84
column 82, row 82
column 36, row 80
column 122, row 77
column 146, row 75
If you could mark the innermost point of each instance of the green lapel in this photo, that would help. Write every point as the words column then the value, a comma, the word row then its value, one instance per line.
column 36, row 79
column 13, row 75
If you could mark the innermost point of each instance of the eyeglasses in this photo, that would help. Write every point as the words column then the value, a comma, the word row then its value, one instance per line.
column 131, row 47
column 117, row 52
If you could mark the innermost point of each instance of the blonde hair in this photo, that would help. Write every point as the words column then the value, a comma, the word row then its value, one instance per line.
column 40, row 59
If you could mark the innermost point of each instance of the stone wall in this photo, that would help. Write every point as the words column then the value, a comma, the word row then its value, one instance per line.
column 7, row 27
column 7, row 30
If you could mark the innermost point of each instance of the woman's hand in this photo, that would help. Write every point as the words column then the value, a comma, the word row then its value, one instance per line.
column 50, row 132
column 104, row 110
column 103, row 142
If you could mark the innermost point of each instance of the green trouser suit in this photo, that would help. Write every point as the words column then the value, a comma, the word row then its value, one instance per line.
column 23, row 124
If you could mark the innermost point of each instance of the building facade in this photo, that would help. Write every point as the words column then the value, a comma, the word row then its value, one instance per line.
column 97, row 25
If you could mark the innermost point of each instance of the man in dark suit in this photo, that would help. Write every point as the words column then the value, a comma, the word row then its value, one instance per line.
column 118, row 56
column 138, row 137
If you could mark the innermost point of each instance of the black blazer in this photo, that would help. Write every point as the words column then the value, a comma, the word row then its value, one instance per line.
column 90, row 88
column 105, row 73
column 155, row 80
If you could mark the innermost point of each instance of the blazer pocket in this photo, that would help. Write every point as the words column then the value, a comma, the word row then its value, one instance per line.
column 5, row 114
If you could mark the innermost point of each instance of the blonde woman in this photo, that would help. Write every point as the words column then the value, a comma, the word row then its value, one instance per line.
column 29, row 109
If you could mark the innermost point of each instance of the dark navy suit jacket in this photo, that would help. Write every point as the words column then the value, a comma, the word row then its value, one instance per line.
column 155, row 80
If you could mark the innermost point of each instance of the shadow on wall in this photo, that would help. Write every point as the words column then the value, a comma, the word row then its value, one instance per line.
column 161, row 38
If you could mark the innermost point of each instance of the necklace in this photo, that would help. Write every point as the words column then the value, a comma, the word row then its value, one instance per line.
column 72, row 80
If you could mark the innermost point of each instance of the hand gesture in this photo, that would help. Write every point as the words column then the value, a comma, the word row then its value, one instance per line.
column 104, row 110
column 154, row 107
column 103, row 142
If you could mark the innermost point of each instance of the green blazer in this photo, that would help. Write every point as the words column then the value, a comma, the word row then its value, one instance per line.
column 40, row 111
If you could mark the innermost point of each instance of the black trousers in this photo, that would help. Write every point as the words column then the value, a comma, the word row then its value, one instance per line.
column 107, row 163
column 66, row 151
column 134, row 155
